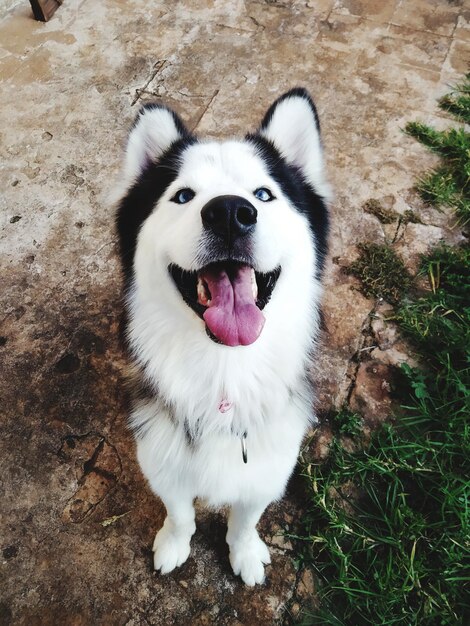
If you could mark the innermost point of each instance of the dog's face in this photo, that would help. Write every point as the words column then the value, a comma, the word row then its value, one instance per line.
column 225, row 228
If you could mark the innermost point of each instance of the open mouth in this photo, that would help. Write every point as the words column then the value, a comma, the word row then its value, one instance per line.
column 229, row 297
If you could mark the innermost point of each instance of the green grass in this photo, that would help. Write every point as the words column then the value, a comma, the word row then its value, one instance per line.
column 439, row 322
column 449, row 184
column 387, row 528
column 458, row 101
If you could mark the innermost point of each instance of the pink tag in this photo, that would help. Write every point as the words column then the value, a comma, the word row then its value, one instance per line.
column 225, row 406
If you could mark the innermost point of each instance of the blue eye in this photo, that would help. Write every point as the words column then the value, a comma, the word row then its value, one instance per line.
column 183, row 196
column 263, row 194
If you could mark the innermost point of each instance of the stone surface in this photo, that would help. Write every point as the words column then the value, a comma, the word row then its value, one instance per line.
column 371, row 395
column 77, row 519
column 305, row 589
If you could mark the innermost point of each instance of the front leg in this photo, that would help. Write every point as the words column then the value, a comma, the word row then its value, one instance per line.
column 248, row 553
column 171, row 547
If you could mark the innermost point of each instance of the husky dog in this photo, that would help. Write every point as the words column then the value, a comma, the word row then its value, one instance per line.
column 222, row 247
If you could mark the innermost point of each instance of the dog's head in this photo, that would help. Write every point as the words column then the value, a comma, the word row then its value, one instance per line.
column 225, row 226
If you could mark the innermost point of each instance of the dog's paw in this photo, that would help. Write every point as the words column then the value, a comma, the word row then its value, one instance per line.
column 248, row 558
column 170, row 550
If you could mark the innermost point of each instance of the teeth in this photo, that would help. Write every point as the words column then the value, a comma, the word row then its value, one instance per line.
column 200, row 289
column 202, row 293
column 254, row 286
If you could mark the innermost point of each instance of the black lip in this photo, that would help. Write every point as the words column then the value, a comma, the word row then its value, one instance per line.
column 186, row 283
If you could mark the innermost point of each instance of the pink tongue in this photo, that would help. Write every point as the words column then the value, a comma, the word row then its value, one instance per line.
column 232, row 315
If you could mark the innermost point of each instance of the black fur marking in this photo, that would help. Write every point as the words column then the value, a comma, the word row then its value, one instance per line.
column 141, row 392
column 302, row 195
column 298, row 92
column 140, row 200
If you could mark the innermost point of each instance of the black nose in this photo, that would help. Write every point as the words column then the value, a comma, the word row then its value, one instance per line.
column 229, row 216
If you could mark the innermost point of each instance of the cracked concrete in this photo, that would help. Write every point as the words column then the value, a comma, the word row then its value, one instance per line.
column 77, row 520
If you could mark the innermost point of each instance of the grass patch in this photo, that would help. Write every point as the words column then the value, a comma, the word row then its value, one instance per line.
column 387, row 529
column 410, row 217
column 389, row 216
column 385, row 216
column 439, row 322
column 381, row 271
column 457, row 102
column 347, row 423
column 449, row 184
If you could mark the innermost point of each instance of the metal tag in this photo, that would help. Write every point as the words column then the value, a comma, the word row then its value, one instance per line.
column 244, row 448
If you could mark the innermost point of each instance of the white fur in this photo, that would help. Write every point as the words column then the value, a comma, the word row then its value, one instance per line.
column 294, row 132
column 264, row 382
column 153, row 133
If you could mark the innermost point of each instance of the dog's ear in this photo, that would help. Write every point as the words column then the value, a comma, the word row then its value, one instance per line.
column 155, row 129
column 291, row 124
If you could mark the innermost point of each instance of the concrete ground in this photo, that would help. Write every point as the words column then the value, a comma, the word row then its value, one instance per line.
column 77, row 520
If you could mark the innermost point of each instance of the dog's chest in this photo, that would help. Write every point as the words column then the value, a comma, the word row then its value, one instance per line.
column 212, row 467
column 209, row 387
column 213, row 394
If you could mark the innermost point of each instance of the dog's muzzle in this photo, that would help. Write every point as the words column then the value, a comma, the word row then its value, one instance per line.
column 227, row 292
